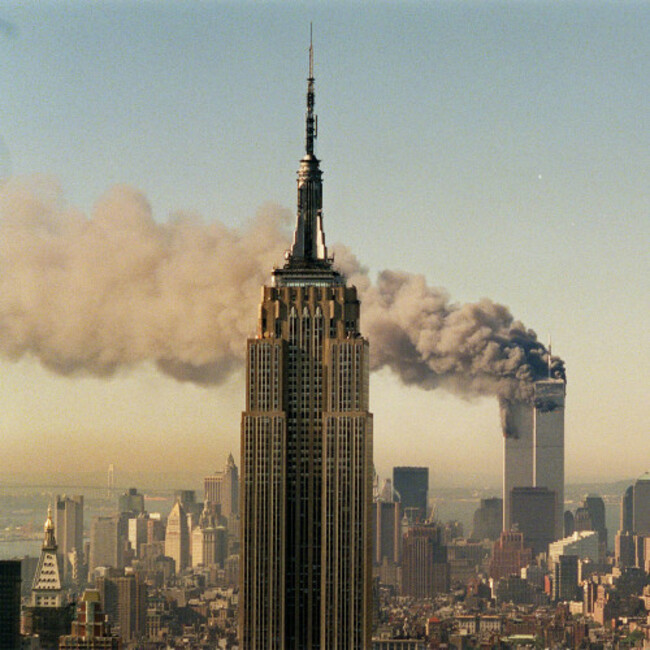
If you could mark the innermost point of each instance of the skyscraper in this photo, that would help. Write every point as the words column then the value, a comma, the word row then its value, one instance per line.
column 90, row 629
column 425, row 570
column 9, row 603
column 69, row 524
column 48, row 615
column 534, row 450
column 222, row 488
column 177, row 537
column 641, row 505
column 412, row 485
column 306, row 440
column 533, row 514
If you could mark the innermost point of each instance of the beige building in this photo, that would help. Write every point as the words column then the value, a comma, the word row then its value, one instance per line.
column 306, row 488
column 222, row 488
column 177, row 537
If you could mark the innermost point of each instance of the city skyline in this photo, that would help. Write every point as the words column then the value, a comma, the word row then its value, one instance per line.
column 516, row 175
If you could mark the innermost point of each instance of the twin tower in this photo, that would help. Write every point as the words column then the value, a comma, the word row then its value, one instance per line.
column 306, row 443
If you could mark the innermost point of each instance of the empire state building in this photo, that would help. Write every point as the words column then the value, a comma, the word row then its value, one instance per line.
column 306, row 443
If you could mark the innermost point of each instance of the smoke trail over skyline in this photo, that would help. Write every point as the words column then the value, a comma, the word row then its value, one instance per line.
column 95, row 295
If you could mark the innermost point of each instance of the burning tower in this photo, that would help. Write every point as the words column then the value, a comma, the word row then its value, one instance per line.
column 533, row 452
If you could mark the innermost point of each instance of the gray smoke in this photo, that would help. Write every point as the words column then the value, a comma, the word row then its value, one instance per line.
column 101, row 293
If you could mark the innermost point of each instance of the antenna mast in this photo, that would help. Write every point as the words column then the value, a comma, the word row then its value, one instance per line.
column 311, row 120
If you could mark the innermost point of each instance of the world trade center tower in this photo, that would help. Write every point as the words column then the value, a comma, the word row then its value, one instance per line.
column 306, row 442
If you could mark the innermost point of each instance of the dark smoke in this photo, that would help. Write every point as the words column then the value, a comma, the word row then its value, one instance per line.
column 95, row 295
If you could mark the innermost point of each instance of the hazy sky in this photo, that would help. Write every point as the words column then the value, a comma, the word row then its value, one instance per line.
column 501, row 149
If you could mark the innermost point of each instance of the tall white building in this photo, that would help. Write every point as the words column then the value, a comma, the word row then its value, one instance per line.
column 533, row 452
column 584, row 544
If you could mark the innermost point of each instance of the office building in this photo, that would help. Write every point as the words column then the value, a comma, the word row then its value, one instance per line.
column 412, row 485
column 591, row 516
column 108, row 538
column 209, row 540
column 425, row 569
column 177, row 537
column 386, row 526
column 627, row 510
column 90, row 629
column 509, row 555
column 69, row 524
column 641, row 505
column 131, row 502
column 569, row 523
column 222, row 488
column 624, row 549
column 124, row 599
column 306, row 448
column 533, row 514
column 584, row 545
column 138, row 532
column 596, row 508
column 565, row 578
column 534, row 448
column 10, row 604
column 488, row 519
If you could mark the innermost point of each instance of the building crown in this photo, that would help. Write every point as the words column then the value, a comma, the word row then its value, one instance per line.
column 309, row 249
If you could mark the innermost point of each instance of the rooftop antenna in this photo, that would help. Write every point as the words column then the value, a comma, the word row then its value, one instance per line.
column 311, row 51
column 312, row 120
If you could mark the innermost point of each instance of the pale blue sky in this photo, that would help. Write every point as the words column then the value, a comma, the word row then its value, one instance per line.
column 502, row 149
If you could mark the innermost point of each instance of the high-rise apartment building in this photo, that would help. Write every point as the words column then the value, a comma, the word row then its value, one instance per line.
column 534, row 448
column 306, row 442
column 412, row 485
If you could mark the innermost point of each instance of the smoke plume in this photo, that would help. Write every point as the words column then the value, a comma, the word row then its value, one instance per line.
column 100, row 293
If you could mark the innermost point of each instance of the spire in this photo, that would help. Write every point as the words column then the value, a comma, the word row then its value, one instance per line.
column 308, row 249
column 49, row 542
column 311, row 121
column 46, row 585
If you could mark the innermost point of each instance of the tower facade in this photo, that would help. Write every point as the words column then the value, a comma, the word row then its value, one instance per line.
column 222, row 488
column 177, row 537
column 641, row 505
column 534, row 450
column 412, row 485
column 46, row 587
column 306, row 441
column 69, row 524
column 9, row 603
